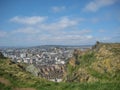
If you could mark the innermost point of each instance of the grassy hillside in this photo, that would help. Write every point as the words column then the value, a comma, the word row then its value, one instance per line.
column 96, row 69
column 101, row 64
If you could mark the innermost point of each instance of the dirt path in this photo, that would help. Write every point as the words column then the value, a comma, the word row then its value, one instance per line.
column 4, row 81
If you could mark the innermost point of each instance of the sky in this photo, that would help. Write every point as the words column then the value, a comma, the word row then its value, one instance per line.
column 59, row 22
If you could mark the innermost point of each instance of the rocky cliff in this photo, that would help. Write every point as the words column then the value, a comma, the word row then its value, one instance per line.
column 101, row 63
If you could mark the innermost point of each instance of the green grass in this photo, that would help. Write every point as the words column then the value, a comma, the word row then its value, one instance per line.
column 78, row 86
column 3, row 87
column 84, row 60
column 87, row 59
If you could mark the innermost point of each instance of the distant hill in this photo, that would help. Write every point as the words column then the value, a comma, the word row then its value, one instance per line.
column 62, row 46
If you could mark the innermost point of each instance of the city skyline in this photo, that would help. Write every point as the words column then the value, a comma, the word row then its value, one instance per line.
column 58, row 22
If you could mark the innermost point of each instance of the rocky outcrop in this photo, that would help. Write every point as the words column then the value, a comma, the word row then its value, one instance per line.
column 32, row 69
column 108, row 59
column 101, row 63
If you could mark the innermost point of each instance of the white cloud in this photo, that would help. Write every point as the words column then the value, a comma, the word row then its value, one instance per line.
column 67, row 39
column 28, row 20
column 26, row 30
column 80, row 32
column 106, row 38
column 71, row 32
column 58, row 9
column 62, row 31
column 89, row 36
column 62, row 23
column 95, row 5
column 3, row 34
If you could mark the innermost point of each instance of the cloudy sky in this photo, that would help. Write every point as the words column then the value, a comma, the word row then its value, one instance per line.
column 58, row 22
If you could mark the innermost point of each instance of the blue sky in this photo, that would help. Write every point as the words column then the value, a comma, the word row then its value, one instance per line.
column 58, row 22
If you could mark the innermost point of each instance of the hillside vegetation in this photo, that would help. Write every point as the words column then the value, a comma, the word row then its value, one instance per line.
column 95, row 69
column 101, row 64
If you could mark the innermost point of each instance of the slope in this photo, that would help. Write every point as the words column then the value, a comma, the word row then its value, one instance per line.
column 100, row 64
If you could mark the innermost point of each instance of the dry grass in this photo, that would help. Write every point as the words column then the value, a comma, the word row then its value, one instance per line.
column 4, row 81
